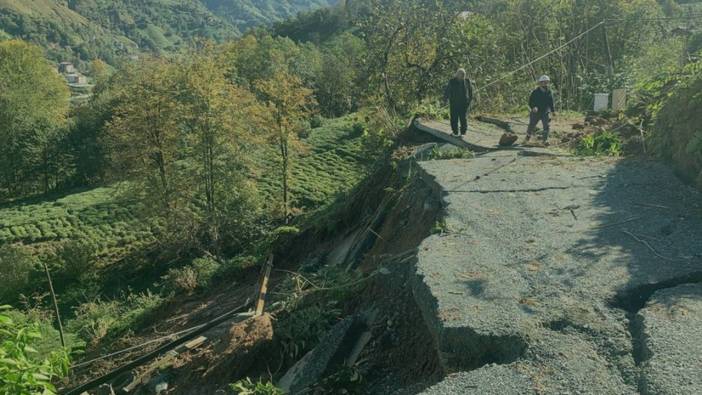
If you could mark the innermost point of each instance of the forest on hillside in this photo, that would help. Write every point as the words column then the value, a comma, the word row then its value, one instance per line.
column 191, row 165
column 115, row 31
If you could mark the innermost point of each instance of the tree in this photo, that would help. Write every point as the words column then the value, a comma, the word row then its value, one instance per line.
column 221, row 120
column 144, row 135
column 33, row 113
column 182, row 135
column 290, row 103
column 414, row 47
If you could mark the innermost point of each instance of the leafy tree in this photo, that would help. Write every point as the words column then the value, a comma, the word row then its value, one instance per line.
column 144, row 135
column 221, row 121
column 413, row 47
column 33, row 111
column 290, row 104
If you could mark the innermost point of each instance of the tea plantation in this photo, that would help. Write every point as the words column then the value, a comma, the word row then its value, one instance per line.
column 331, row 162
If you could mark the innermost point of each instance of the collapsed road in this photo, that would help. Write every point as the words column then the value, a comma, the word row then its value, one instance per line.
column 561, row 274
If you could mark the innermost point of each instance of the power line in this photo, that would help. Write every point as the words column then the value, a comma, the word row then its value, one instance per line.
column 571, row 41
column 580, row 36
column 128, row 349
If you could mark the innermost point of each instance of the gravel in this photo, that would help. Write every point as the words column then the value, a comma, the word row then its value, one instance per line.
column 671, row 324
column 542, row 259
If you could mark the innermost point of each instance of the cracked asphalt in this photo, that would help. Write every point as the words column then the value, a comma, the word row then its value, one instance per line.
column 537, row 280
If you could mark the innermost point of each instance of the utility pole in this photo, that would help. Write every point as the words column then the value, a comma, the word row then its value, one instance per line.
column 56, row 309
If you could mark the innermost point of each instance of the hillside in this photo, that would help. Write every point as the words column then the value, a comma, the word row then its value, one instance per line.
column 81, row 30
column 243, row 14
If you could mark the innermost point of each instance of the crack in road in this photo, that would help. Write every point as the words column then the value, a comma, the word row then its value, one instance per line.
column 528, row 190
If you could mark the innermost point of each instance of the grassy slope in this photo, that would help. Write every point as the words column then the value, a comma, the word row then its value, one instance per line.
column 332, row 164
column 244, row 14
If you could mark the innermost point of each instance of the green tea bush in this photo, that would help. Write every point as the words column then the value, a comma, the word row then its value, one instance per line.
column 316, row 121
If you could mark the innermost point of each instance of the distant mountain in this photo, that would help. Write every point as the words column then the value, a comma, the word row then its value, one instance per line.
column 81, row 30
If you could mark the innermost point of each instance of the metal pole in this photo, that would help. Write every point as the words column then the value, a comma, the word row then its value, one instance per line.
column 56, row 309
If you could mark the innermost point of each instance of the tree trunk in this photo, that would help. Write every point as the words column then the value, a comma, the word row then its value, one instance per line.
column 286, row 162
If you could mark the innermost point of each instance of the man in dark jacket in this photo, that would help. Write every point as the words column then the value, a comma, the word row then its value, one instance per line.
column 541, row 105
column 459, row 94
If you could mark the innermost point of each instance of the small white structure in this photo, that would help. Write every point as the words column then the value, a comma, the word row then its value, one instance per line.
column 619, row 100
column 601, row 102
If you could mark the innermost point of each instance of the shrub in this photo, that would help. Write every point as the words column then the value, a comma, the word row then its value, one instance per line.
column 95, row 319
column 600, row 144
column 16, row 266
column 432, row 111
column 189, row 278
column 248, row 387
column 22, row 368
column 76, row 260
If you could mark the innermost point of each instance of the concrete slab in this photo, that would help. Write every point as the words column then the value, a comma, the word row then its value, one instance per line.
column 543, row 254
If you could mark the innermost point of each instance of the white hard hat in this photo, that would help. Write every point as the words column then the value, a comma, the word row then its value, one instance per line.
column 544, row 78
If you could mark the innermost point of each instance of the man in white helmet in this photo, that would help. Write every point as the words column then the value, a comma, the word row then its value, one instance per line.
column 541, row 105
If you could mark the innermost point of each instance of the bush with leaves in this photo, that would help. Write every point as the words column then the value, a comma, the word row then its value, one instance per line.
column 16, row 267
column 194, row 276
column 248, row 387
column 604, row 143
column 23, row 370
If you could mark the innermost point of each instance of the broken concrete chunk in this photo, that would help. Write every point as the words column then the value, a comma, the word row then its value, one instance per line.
column 310, row 368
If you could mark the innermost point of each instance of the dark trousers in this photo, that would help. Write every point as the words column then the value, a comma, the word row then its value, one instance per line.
column 534, row 118
column 459, row 115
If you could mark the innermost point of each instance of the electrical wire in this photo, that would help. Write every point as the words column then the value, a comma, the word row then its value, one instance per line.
column 544, row 56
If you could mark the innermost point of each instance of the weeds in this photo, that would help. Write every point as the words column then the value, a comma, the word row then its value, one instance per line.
column 438, row 153
column 432, row 111
column 98, row 319
column 248, row 387
column 600, row 144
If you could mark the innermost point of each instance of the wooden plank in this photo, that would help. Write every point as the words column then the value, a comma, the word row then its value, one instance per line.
column 424, row 126
column 263, row 286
